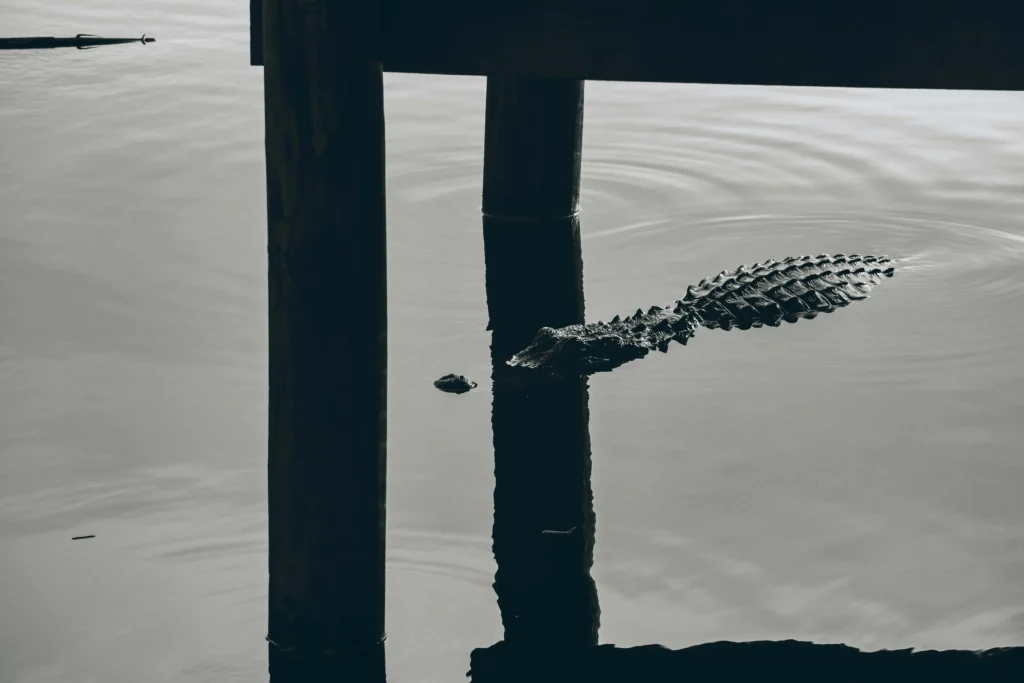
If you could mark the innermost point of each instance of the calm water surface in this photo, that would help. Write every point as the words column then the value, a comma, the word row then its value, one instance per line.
column 855, row 478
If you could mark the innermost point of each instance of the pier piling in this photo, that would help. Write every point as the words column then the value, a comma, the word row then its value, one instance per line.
column 328, row 327
column 543, row 504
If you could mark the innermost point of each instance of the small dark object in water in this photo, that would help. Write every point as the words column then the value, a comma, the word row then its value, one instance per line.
column 82, row 41
column 454, row 384
column 79, row 538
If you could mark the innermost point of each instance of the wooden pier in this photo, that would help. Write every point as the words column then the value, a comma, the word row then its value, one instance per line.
column 323, row 68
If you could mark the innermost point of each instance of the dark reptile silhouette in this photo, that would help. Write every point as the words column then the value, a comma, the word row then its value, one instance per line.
column 765, row 293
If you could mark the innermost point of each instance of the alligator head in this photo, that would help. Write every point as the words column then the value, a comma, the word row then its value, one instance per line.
column 601, row 347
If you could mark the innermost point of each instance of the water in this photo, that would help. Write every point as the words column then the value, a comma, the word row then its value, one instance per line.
column 853, row 478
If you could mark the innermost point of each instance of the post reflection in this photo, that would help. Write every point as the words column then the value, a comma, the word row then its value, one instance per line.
column 365, row 665
column 544, row 523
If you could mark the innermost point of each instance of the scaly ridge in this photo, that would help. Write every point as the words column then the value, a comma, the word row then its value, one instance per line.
column 764, row 293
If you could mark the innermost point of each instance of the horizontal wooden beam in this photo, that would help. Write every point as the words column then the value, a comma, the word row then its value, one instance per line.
column 938, row 44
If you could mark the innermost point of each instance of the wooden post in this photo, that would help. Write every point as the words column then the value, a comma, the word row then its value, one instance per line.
column 543, row 506
column 533, row 138
column 328, row 327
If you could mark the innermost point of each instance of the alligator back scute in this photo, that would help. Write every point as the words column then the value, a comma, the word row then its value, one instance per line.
column 774, row 291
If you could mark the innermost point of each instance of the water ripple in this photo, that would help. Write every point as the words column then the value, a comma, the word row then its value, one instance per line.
column 958, row 279
column 444, row 555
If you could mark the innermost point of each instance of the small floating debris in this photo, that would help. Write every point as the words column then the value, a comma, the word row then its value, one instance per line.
column 556, row 532
column 454, row 384
column 79, row 538
column 81, row 41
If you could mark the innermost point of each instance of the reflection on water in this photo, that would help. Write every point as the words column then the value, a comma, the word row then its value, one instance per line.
column 361, row 666
column 855, row 479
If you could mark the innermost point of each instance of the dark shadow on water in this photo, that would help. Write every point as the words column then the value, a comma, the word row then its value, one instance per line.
column 752, row 661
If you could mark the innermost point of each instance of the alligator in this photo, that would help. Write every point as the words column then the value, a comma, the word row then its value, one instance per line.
column 765, row 293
